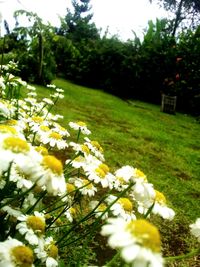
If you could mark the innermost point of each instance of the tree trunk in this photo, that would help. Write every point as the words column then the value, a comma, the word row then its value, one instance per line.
column 178, row 16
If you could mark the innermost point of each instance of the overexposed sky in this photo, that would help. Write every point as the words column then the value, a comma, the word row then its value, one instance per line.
column 121, row 16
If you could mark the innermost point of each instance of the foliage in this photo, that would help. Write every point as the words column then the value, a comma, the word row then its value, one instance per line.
column 135, row 69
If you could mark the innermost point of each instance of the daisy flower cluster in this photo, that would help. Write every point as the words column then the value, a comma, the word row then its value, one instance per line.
column 56, row 187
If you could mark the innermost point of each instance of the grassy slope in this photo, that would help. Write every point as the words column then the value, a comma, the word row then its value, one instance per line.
column 165, row 147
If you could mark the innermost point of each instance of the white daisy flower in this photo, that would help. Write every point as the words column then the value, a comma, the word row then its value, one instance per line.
column 71, row 214
column 47, row 101
column 195, row 229
column 138, row 241
column 87, row 187
column 99, row 173
column 30, row 87
column 61, row 130
column 79, row 125
column 32, row 227
column 52, row 177
column 14, row 253
column 53, row 139
column 15, row 212
column 80, row 148
column 99, row 209
column 160, row 207
column 78, row 162
column 12, row 149
column 7, row 110
column 47, row 252
column 57, row 95
column 123, row 207
column 35, row 122
column 142, row 191
column 95, row 148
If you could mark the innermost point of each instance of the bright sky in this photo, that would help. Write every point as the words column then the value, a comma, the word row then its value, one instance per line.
column 122, row 16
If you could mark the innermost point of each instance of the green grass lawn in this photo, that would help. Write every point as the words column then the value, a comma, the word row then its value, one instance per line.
column 165, row 147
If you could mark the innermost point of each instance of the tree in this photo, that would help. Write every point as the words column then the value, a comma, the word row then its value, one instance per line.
column 76, row 25
column 187, row 12
column 38, row 38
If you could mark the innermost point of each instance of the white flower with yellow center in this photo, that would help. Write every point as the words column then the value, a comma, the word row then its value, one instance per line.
column 47, row 252
column 78, row 162
column 32, row 227
column 14, row 253
column 19, row 125
column 142, row 191
column 80, row 148
column 55, row 117
column 123, row 207
column 47, row 101
column 53, row 139
column 80, row 126
column 71, row 214
column 99, row 209
column 12, row 149
column 160, row 207
column 95, row 148
column 57, row 95
column 7, row 110
column 15, row 212
column 85, row 186
column 100, row 173
column 61, row 130
column 20, row 178
column 195, row 229
column 52, row 177
column 138, row 240
column 129, row 173
column 35, row 122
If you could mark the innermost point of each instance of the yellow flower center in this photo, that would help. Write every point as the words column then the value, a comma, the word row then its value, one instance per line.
column 100, row 172
column 160, row 198
column 44, row 128
column 104, row 167
column 7, row 129
column 52, row 163
column 61, row 128
column 147, row 234
column 121, row 180
column 126, row 203
column 37, row 119
column 85, row 149
column 87, row 184
column 97, row 145
column 23, row 256
column 52, row 251
column 70, row 187
column 81, row 123
column 42, row 150
column 140, row 174
column 16, row 145
column 55, row 135
column 79, row 159
column 73, row 211
column 12, row 122
column 102, row 207
column 37, row 224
